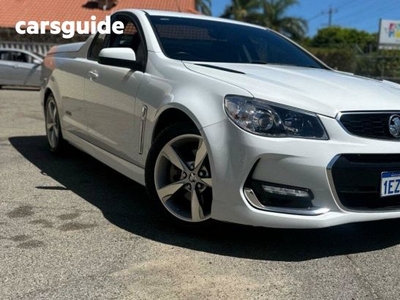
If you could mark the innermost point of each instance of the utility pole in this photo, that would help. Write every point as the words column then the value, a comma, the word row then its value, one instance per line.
column 330, row 13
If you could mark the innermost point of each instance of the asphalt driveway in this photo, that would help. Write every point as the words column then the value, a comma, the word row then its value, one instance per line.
column 72, row 228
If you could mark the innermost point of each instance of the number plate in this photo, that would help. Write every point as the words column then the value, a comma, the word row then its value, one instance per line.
column 390, row 184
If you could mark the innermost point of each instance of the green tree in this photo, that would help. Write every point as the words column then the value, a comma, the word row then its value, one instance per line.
column 338, row 37
column 383, row 64
column 204, row 6
column 340, row 59
column 243, row 10
column 274, row 16
column 352, row 50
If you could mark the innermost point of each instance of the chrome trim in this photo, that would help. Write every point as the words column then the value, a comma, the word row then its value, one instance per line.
column 360, row 112
column 253, row 200
column 332, row 183
column 93, row 74
column 142, row 128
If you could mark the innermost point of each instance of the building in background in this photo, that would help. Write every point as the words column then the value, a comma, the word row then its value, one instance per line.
column 12, row 11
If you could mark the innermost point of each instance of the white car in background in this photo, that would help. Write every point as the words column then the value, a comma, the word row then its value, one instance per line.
column 225, row 120
column 20, row 67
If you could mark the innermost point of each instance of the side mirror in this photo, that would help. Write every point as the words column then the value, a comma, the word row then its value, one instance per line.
column 36, row 61
column 119, row 57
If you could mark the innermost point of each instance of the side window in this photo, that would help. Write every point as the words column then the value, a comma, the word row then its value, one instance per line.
column 30, row 58
column 129, row 38
column 98, row 43
column 20, row 57
column 14, row 56
column 126, row 38
column 4, row 55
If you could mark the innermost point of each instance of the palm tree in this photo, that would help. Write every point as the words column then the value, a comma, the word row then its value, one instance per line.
column 268, row 13
column 274, row 17
column 243, row 10
column 204, row 6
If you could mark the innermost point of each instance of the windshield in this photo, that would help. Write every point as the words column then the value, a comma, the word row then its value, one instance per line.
column 214, row 41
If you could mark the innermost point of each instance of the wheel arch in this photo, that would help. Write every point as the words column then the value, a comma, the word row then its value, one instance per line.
column 45, row 96
column 176, row 114
column 170, row 116
column 47, row 92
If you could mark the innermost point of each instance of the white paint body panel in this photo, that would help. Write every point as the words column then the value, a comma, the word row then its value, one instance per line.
column 117, row 96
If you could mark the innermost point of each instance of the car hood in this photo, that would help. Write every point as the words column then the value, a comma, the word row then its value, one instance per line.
column 325, row 92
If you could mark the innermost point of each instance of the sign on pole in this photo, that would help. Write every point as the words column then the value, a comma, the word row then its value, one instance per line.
column 389, row 34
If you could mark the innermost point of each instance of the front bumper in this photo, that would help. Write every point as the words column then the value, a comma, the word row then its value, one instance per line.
column 239, row 157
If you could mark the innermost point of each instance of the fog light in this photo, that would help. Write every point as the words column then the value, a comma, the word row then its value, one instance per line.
column 288, row 192
column 279, row 195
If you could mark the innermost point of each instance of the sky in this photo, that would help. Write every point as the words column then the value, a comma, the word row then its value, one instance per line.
column 359, row 14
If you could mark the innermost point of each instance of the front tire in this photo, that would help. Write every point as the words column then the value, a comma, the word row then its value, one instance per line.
column 178, row 175
column 53, row 126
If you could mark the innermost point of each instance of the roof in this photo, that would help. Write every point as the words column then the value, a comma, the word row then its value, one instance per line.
column 12, row 11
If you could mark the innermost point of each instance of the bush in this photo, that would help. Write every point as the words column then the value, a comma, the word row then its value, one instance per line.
column 340, row 59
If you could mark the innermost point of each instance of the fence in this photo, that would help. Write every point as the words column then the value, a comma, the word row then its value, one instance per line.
column 374, row 63
column 40, row 48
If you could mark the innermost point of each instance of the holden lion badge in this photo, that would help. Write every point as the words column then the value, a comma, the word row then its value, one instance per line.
column 394, row 125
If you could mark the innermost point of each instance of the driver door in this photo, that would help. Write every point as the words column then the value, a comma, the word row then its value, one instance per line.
column 110, row 94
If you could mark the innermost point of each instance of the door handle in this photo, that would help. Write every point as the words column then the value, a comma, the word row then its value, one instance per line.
column 93, row 74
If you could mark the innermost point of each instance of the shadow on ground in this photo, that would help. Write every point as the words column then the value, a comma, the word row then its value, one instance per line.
column 125, row 204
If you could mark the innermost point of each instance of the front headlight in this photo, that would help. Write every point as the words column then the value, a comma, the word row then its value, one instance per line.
column 272, row 120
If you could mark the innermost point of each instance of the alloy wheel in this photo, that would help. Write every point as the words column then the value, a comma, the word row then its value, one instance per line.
column 52, row 123
column 182, row 178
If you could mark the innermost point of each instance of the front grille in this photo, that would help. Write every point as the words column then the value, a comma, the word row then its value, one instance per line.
column 357, row 180
column 369, row 125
